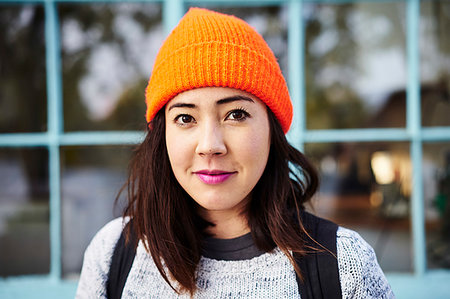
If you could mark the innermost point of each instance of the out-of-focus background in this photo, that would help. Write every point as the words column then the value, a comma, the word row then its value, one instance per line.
column 370, row 81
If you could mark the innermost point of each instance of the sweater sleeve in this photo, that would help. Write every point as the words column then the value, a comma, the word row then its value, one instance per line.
column 359, row 272
column 97, row 260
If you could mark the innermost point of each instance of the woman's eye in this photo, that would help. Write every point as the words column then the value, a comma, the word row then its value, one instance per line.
column 238, row 115
column 184, row 119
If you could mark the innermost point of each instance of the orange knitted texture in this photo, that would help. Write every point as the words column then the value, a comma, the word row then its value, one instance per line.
column 212, row 49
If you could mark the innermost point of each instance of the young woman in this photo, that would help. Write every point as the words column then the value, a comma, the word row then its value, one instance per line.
column 214, row 200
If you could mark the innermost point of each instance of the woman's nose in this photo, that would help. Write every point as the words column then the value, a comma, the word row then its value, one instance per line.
column 210, row 141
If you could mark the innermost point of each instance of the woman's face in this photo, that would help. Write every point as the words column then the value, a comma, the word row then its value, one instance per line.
column 218, row 141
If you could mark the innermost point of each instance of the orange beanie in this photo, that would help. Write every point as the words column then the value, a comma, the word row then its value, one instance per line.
column 212, row 49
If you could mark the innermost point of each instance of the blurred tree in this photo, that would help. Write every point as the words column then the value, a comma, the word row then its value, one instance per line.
column 131, row 102
column 22, row 69
column 23, row 85
column 331, row 47
column 23, row 104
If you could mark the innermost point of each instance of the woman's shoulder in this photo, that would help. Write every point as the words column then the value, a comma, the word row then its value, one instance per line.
column 353, row 250
column 106, row 238
column 112, row 229
column 359, row 271
column 350, row 239
column 97, row 259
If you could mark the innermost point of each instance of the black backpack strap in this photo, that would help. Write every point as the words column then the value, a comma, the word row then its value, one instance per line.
column 319, row 268
column 121, row 263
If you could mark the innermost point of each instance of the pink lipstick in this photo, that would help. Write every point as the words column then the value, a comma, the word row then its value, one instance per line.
column 213, row 177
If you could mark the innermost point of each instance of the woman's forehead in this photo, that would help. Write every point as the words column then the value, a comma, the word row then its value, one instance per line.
column 211, row 95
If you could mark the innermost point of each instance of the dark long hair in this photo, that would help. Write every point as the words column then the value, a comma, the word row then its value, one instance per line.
column 165, row 216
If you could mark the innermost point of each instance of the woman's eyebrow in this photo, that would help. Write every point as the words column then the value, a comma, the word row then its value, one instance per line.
column 219, row 102
column 233, row 99
column 181, row 105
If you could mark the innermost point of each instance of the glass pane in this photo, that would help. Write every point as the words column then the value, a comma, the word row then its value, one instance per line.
column 367, row 187
column 269, row 21
column 91, row 179
column 435, row 62
column 355, row 65
column 24, row 212
column 436, row 170
column 23, row 105
column 108, row 52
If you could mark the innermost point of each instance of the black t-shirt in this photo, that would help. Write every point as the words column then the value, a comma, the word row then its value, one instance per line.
column 240, row 248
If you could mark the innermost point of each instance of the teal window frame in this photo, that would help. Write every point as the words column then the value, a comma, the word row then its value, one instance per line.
column 422, row 282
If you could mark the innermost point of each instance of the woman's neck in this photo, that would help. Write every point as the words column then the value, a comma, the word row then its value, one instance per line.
column 226, row 226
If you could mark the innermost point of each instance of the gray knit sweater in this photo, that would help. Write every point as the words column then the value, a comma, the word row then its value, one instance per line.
column 269, row 275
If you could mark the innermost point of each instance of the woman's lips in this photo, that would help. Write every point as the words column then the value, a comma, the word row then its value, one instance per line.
column 213, row 177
